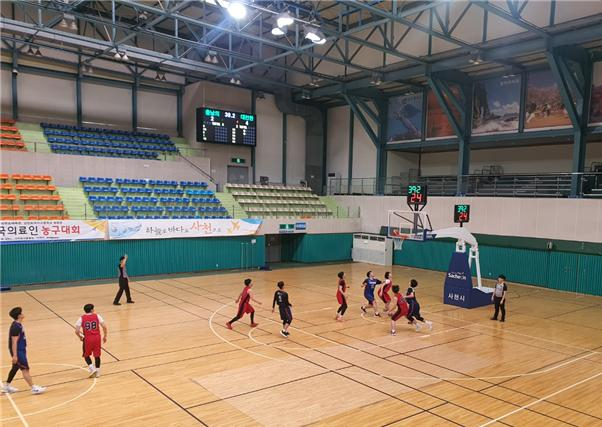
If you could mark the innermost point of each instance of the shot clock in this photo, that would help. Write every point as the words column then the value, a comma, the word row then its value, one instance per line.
column 416, row 195
column 225, row 127
column 461, row 214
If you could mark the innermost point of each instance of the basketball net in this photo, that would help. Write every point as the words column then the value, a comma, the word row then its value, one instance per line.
column 398, row 240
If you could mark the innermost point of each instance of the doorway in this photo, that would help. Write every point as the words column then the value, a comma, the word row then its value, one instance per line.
column 281, row 247
column 238, row 174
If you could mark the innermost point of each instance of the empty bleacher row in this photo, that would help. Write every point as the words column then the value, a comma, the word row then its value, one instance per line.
column 10, row 137
column 279, row 201
column 123, row 198
column 29, row 197
column 90, row 141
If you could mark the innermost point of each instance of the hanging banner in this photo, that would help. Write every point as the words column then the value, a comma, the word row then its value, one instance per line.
column 179, row 228
column 595, row 116
column 496, row 105
column 437, row 123
column 544, row 108
column 405, row 118
column 51, row 231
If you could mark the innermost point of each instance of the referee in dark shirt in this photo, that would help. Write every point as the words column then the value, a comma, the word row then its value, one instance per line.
column 124, row 282
column 499, row 297
column 281, row 298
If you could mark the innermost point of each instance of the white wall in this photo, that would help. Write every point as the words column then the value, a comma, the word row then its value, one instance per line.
column 295, row 149
column 6, row 93
column 66, row 169
column 158, row 111
column 337, row 142
column 562, row 219
column 42, row 97
column 106, row 105
column 398, row 163
column 268, row 153
column 364, row 151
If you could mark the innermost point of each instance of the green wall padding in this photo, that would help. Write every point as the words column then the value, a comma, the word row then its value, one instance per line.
column 323, row 248
column 567, row 271
column 72, row 261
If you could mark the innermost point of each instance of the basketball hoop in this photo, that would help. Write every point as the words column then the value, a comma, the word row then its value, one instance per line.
column 398, row 239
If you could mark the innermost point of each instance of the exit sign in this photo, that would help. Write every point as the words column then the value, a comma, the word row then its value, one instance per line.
column 238, row 160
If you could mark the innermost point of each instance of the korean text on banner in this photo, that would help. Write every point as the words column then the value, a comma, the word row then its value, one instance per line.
column 42, row 231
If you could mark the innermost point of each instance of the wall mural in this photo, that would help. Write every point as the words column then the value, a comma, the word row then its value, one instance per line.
column 405, row 118
column 496, row 105
column 544, row 108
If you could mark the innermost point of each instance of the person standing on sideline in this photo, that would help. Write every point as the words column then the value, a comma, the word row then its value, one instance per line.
column 91, row 324
column 341, row 297
column 499, row 297
column 17, row 346
column 124, row 282
column 281, row 297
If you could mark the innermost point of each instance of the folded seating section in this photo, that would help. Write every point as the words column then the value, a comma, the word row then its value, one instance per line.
column 10, row 137
column 128, row 198
column 278, row 201
column 92, row 141
column 29, row 197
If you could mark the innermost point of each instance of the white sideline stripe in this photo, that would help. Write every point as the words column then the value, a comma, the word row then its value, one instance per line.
column 541, row 399
column 21, row 417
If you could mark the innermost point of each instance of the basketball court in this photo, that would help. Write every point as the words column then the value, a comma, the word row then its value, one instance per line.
column 169, row 359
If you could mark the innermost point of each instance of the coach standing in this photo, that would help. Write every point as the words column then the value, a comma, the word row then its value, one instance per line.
column 124, row 282
column 499, row 297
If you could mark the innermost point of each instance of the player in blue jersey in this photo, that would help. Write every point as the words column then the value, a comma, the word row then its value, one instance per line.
column 370, row 283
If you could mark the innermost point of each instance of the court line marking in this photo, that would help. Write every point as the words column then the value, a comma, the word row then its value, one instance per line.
column 541, row 399
column 16, row 408
column 432, row 377
column 89, row 389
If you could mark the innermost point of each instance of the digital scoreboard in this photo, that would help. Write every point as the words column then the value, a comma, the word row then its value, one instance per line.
column 461, row 214
column 225, row 127
column 416, row 195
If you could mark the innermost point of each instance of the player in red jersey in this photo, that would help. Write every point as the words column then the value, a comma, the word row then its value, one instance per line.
column 400, row 309
column 383, row 291
column 244, row 305
column 341, row 297
column 91, row 323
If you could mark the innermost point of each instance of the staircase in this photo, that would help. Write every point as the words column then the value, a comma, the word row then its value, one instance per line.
column 34, row 137
column 76, row 203
column 234, row 209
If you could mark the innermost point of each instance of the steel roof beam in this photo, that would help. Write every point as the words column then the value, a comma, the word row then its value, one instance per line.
column 516, row 20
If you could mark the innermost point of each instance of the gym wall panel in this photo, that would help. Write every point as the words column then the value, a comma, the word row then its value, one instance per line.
column 158, row 111
column 62, row 262
column 439, row 163
column 6, row 94
column 41, row 97
column 337, row 146
column 324, row 248
column 398, row 163
column 364, row 151
column 107, row 105
column 295, row 149
column 539, row 159
column 589, row 272
column 268, row 154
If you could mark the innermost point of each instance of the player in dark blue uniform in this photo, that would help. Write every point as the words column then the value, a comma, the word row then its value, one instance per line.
column 17, row 347
column 281, row 298
column 414, row 312
column 370, row 283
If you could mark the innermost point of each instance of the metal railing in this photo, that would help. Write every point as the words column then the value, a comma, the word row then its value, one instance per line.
column 515, row 185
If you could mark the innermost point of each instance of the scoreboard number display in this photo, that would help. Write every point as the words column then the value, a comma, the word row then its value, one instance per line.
column 416, row 195
column 461, row 214
column 225, row 127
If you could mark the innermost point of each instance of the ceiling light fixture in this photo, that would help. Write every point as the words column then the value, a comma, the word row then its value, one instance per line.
column 377, row 79
column 232, row 81
column 276, row 31
column 215, row 60
column 284, row 19
column 314, row 82
column 63, row 23
column 157, row 77
column 311, row 34
column 117, row 54
column 73, row 25
column 38, row 52
column 237, row 10
column 124, row 56
column 30, row 51
column 305, row 95
column 163, row 78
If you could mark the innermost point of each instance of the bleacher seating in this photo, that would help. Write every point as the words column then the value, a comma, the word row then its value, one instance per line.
column 279, row 201
column 10, row 137
column 89, row 141
column 124, row 198
column 22, row 197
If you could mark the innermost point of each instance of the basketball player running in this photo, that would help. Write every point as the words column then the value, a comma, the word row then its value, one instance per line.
column 244, row 305
column 369, row 284
column 383, row 292
column 341, row 297
column 414, row 312
column 91, row 324
column 17, row 346
column 284, row 306
column 400, row 309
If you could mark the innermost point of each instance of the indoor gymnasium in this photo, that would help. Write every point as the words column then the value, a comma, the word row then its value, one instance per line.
column 301, row 213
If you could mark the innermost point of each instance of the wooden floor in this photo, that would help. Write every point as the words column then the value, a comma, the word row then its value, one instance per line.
column 170, row 361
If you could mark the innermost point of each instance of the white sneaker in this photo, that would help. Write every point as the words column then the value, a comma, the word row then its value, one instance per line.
column 93, row 372
column 283, row 333
column 418, row 327
column 393, row 333
column 97, row 373
column 430, row 325
column 7, row 388
column 37, row 389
